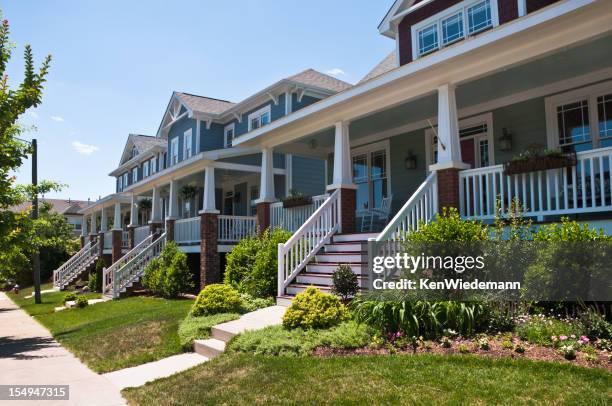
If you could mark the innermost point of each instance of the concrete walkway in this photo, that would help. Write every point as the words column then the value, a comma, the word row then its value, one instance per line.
column 30, row 356
column 141, row 374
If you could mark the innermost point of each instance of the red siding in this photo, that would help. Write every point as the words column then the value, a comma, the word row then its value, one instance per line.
column 533, row 5
column 508, row 10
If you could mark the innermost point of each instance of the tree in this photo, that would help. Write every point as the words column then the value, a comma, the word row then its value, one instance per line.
column 14, row 242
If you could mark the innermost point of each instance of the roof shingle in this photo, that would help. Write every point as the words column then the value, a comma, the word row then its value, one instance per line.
column 384, row 66
column 204, row 104
column 311, row 77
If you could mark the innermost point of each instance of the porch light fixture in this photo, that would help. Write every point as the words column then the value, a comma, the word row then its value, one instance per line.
column 505, row 141
column 411, row 161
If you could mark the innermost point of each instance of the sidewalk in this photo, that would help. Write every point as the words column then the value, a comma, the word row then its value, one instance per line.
column 30, row 356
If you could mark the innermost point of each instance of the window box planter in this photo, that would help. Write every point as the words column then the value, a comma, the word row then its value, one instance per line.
column 540, row 163
column 297, row 201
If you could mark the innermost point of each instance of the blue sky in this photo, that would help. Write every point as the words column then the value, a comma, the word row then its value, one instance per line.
column 116, row 63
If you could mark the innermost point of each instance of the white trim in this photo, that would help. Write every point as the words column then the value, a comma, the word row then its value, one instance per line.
column 197, row 140
column 257, row 114
column 227, row 128
column 589, row 93
column 437, row 19
column 174, row 150
column 273, row 97
column 188, row 144
column 288, row 173
column 367, row 150
column 522, row 7
column 288, row 102
column 135, row 174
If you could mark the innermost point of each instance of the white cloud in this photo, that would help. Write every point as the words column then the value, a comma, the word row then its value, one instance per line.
column 33, row 114
column 57, row 118
column 335, row 72
column 84, row 149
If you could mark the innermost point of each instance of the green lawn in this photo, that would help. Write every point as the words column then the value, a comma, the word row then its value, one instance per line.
column 368, row 380
column 115, row 334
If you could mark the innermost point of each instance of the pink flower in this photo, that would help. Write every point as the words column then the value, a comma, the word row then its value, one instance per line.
column 562, row 338
column 584, row 339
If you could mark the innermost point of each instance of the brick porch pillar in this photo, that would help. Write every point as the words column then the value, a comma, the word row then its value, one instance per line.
column 170, row 229
column 131, row 241
column 155, row 228
column 348, row 207
column 263, row 217
column 93, row 238
column 101, row 246
column 210, row 267
column 448, row 188
column 82, row 241
column 116, row 253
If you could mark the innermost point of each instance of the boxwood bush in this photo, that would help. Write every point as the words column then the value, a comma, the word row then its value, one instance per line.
column 314, row 309
column 217, row 298
column 168, row 275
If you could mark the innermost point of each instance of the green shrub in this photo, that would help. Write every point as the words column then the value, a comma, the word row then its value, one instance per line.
column 314, row 309
column 95, row 278
column 344, row 282
column 569, row 231
column 217, row 298
column 449, row 226
column 168, row 275
column 594, row 325
column 394, row 313
column 539, row 329
column 252, row 266
column 195, row 328
column 277, row 340
column 250, row 303
column 70, row 296
column 81, row 302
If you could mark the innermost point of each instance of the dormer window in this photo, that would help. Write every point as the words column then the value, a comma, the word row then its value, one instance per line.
column 259, row 118
column 228, row 135
column 134, row 152
column 453, row 24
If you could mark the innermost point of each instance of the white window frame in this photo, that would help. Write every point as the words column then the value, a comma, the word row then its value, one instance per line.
column 125, row 180
column 367, row 150
column 187, row 144
column 590, row 93
column 120, row 183
column 153, row 165
column 486, row 118
column 449, row 12
column 174, row 151
column 226, row 142
column 257, row 114
column 134, row 174
column 145, row 169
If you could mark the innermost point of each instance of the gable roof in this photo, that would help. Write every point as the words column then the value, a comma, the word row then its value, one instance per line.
column 387, row 64
column 387, row 26
column 141, row 142
column 204, row 104
column 60, row 206
column 313, row 78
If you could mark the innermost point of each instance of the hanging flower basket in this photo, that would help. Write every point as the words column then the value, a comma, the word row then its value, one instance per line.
column 536, row 163
column 188, row 192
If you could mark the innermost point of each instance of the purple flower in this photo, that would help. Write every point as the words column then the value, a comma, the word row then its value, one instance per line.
column 562, row 338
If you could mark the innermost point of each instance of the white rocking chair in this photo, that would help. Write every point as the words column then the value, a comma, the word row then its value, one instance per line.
column 381, row 213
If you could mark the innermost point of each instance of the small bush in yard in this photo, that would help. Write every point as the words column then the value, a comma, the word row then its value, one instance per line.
column 344, row 282
column 81, row 302
column 250, row 303
column 95, row 279
column 70, row 296
column 314, row 309
column 217, row 298
column 168, row 275
column 194, row 328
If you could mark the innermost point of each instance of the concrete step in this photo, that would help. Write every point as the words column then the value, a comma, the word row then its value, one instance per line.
column 360, row 237
column 330, row 267
column 284, row 301
column 324, row 279
column 345, row 247
column 296, row 288
column 221, row 334
column 341, row 257
column 209, row 348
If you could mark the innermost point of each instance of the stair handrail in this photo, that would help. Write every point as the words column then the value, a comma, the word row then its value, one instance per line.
column 58, row 273
column 307, row 240
column 125, row 275
column 107, row 273
column 421, row 207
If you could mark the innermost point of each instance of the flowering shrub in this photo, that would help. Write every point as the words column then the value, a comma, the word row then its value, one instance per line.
column 542, row 330
column 483, row 343
column 569, row 351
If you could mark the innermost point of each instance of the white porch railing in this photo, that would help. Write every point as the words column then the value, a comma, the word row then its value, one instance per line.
column 291, row 219
column 125, row 240
column 119, row 276
column 420, row 208
column 140, row 233
column 580, row 189
column 307, row 240
column 76, row 264
column 187, row 231
column 235, row 228
column 108, row 240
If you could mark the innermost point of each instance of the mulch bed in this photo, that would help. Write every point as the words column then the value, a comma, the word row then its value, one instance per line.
column 496, row 350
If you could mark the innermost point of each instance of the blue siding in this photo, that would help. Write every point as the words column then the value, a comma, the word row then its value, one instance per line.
column 212, row 138
column 177, row 130
column 308, row 175
column 278, row 160
column 306, row 101
column 278, row 110
column 279, row 186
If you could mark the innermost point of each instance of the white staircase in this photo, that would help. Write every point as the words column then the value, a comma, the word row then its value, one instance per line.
column 76, row 265
column 124, row 273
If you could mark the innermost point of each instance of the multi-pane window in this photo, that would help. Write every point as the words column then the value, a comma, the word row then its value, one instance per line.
column 483, row 152
column 370, row 176
column 125, row 180
column 153, row 165
column 135, row 175
column 466, row 18
column 145, row 169
column 229, row 135
column 604, row 115
column 120, row 183
column 573, row 125
column 259, row 118
column 174, row 148
column 187, row 142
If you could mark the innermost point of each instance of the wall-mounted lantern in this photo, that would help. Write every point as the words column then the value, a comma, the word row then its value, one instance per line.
column 505, row 141
column 411, row 161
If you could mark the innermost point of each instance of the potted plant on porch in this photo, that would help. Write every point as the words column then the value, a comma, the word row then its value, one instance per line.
column 536, row 159
column 296, row 199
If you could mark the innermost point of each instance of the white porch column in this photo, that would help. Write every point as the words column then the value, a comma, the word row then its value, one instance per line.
column 117, row 220
column 84, row 226
column 156, row 206
column 342, row 176
column 266, row 188
column 449, row 147
column 94, row 223
column 103, row 221
column 134, row 212
column 209, row 205
column 173, row 201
